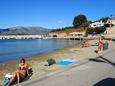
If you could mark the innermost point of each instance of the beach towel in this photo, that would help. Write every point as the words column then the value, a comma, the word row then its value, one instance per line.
column 66, row 62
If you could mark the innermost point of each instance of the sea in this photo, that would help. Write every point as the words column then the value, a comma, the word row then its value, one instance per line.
column 13, row 49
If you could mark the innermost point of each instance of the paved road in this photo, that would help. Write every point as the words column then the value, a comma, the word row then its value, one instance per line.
column 97, row 72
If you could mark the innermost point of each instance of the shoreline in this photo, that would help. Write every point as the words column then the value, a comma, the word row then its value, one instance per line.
column 11, row 66
column 30, row 57
column 38, row 54
column 37, row 62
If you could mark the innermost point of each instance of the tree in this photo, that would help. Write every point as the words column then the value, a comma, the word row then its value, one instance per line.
column 80, row 21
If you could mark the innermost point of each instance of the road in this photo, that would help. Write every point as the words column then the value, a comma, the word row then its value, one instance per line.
column 96, row 72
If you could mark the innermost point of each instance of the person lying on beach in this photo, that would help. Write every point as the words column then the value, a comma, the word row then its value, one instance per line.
column 20, row 74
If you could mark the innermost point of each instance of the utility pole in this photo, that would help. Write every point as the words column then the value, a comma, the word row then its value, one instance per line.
column 111, row 20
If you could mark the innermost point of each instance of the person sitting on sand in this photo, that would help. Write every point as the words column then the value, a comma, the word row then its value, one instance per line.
column 85, row 43
column 21, row 73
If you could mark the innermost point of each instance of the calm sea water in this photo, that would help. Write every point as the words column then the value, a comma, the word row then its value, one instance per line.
column 13, row 49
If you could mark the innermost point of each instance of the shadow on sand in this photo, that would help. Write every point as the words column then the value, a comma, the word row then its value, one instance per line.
column 106, row 82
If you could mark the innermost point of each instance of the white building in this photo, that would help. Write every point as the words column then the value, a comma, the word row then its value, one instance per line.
column 111, row 21
column 97, row 24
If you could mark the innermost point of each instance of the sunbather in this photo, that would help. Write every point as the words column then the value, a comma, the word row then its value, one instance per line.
column 21, row 73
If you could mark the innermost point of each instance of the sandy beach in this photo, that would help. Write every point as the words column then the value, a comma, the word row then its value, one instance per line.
column 37, row 62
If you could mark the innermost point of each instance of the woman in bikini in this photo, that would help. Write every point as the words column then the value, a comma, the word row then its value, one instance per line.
column 100, row 44
column 21, row 73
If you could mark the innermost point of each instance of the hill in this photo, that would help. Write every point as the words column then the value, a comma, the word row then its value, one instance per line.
column 24, row 31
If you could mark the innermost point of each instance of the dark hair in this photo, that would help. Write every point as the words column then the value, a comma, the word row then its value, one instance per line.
column 22, row 59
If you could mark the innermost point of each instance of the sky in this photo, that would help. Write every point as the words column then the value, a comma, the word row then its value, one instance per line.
column 51, row 13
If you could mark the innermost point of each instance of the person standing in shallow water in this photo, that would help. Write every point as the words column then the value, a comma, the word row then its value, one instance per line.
column 100, row 43
column 21, row 73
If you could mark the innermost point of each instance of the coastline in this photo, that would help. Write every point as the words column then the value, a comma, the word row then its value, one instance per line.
column 37, row 62
column 11, row 66
column 12, row 49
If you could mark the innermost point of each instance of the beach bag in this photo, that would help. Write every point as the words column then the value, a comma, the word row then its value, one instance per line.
column 51, row 61
column 7, row 78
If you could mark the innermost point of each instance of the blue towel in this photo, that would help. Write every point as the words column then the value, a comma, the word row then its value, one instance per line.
column 5, row 81
column 64, row 62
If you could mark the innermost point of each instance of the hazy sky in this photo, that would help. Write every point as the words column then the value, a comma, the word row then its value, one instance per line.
column 51, row 13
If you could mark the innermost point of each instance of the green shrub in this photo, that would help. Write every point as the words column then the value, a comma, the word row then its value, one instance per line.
column 97, row 30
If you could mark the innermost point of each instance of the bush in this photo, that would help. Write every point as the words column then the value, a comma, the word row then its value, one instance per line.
column 108, row 25
column 97, row 30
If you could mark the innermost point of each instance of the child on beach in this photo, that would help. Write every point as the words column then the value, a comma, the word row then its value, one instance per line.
column 85, row 43
column 21, row 73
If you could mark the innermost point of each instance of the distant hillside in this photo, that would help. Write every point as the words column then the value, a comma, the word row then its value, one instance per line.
column 24, row 31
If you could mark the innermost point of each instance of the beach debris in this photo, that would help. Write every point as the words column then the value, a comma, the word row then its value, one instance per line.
column 96, row 51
